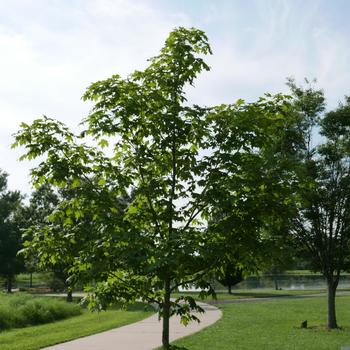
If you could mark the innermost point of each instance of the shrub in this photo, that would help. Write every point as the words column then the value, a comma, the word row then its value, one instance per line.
column 24, row 310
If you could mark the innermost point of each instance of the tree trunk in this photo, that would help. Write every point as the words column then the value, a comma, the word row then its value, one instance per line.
column 331, row 292
column 69, row 298
column 275, row 279
column 9, row 284
column 166, row 315
column 229, row 289
column 31, row 280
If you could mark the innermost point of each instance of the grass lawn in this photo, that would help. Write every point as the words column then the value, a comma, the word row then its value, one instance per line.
column 35, row 337
column 306, row 273
column 38, row 279
column 251, row 293
column 257, row 293
column 274, row 325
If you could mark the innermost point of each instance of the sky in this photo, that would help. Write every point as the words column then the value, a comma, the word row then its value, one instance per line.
column 51, row 50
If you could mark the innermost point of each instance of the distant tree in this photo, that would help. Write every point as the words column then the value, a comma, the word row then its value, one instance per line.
column 42, row 202
column 268, row 191
column 277, row 266
column 309, row 103
column 231, row 276
column 56, row 258
column 280, row 253
column 322, row 227
column 10, row 235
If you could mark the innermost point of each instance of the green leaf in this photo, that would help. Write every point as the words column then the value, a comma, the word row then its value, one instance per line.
column 102, row 182
column 103, row 143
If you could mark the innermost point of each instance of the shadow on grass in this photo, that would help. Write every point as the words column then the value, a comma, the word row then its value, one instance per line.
column 138, row 306
column 258, row 295
column 324, row 328
column 240, row 295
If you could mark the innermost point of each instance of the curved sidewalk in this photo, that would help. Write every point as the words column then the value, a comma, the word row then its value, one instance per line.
column 142, row 335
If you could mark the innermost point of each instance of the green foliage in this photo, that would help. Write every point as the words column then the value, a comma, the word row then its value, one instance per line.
column 232, row 275
column 326, row 204
column 138, row 219
column 309, row 103
column 254, row 193
column 321, row 228
column 18, row 311
column 56, row 284
column 41, row 203
column 10, row 235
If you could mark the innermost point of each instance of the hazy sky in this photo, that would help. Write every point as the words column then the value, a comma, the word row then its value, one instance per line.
column 51, row 50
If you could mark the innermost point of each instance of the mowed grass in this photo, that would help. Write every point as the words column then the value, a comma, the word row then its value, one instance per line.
column 35, row 337
column 38, row 278
column 257, row 293
column 274, row 325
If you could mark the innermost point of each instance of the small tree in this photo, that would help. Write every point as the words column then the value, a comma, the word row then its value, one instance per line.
column 56, row 257
column 322, row 227
column 232, row 275
column 279, row 250
column 41, row 204
column 177, row 163
column 10, row 235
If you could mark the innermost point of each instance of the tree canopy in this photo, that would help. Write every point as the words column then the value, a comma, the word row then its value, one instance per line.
column 321, row 226
column 170, row 191
column 10, row 235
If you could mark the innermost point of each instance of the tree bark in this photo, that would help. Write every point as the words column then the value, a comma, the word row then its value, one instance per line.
column 331, row 292
column 69, row 298
column 276, row 282
column 166, row 315
column 229, row 289
column 31, row 280
column 9, row 284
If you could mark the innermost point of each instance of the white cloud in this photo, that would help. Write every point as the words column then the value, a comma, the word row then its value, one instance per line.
column 275, row 40
column 50, row 54
column 51, row 50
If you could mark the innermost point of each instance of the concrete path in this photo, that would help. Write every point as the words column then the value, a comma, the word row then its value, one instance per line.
column 142, row 335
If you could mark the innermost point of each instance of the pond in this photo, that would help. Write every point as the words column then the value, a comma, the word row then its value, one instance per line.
column 289, row 282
